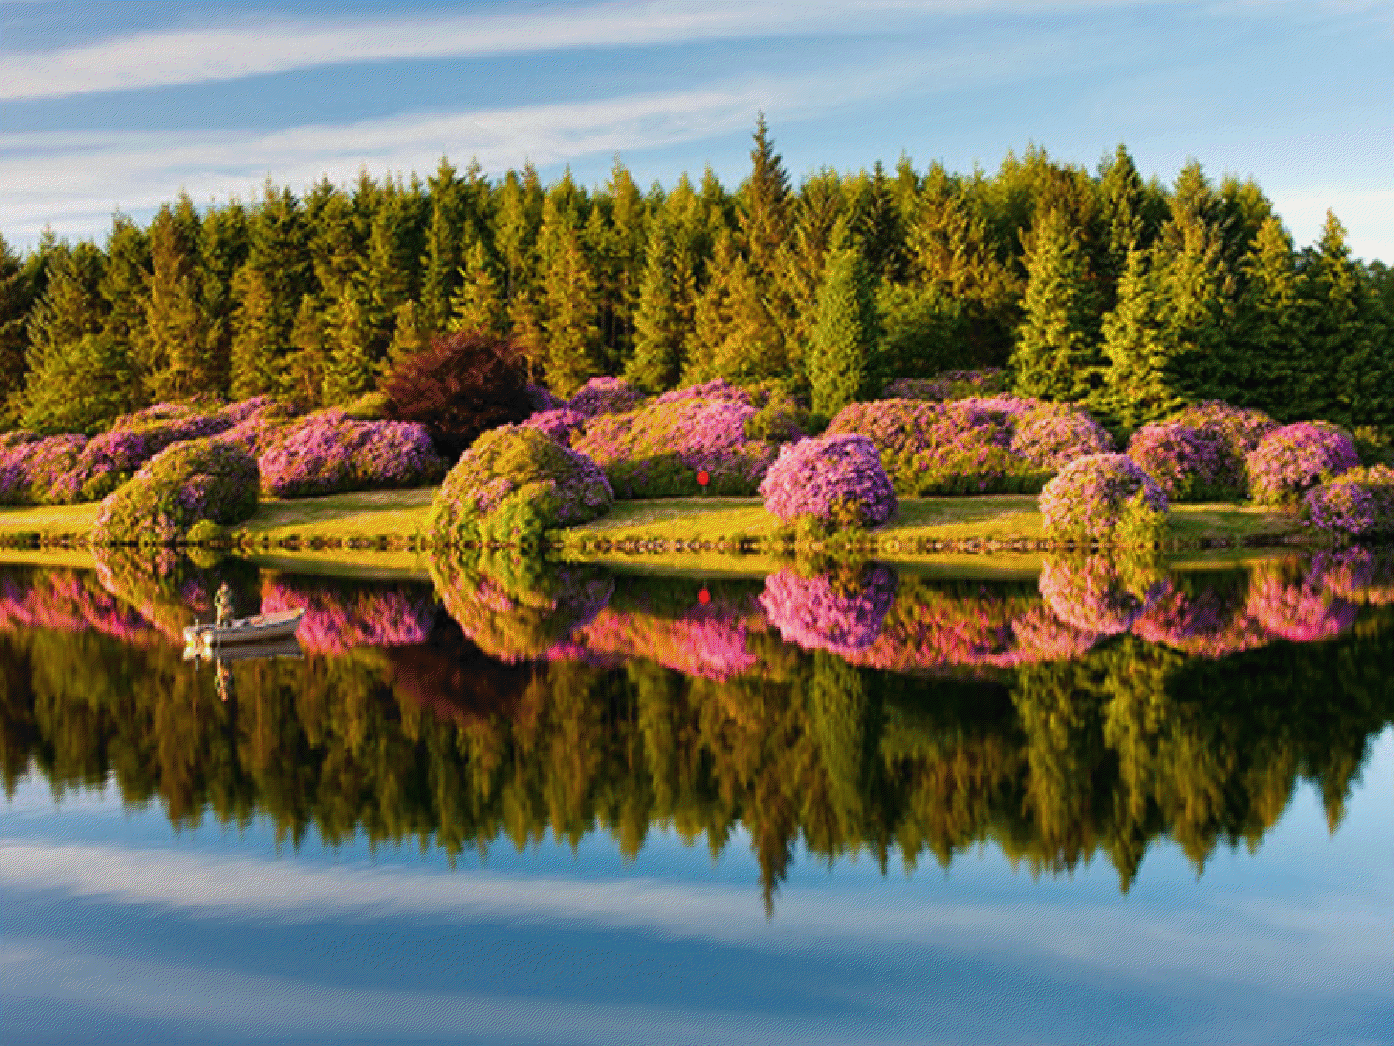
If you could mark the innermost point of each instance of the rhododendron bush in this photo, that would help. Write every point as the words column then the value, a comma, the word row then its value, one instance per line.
column 329, row 452
column 972, row 446
column 1188, row 464
column 513, row 485
column 835, row 480
column 840, row 615
column 181, row 486
column 1106, row 498
column 659, row 450
column 950, row 385
column 1358, row 503
column 561, row 424
column 605, row 396
column 1292, row 460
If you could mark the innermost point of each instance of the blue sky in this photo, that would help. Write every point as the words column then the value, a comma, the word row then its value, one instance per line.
column 120, row 105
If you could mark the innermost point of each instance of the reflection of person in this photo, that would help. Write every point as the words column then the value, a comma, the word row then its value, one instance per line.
column 226, row 689
column 223, row 605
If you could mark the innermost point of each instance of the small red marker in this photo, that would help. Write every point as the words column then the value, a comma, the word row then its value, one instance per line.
column 704, row 597
column 703, row 478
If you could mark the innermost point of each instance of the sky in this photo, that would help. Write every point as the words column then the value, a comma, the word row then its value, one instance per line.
column 119, row 106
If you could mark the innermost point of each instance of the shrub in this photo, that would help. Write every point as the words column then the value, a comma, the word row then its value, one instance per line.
column 466, row 383
column 950, row 385
column 827, row 613
column 605, row 396
column 1292, row 460
column 560, row 424
column 1188, row 464
column 327, row 453
column 258, row 424
column 834, row 479
column 1359, row 503
column 716, row 389
column 188, row 482
column 31, row 467
column 780, row 420
column 658, row 450
column 542, row 399
column 512, row 486
column 1106, row 497
column 1048, row 437
column 1242, row 428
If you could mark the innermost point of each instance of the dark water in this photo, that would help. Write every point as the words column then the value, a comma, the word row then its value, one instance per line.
column 515, row 804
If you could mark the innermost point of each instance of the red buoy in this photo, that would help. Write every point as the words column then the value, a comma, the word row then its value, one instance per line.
column 703, row 478
column 704, row 597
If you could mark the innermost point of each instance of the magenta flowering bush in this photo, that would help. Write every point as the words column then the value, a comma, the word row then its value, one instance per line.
column 328, row 452
column 605, row 396
column 560, row 424
column 660, row 449
column 950, row 385
column 1241, row 428
column 1049, row 436
column 835, row 479
column 181, row 486
column 31, row 467
column 1097, row 594
column 823, row 613
column 513, row 485
column 1189, row 464
column 258, row 424
column 1106, row 498
column 1292, row 460
column 1300, row 610
column 716, row 389
column 1358, row 503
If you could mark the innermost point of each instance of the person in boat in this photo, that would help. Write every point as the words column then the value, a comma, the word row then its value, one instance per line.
column 222, row 604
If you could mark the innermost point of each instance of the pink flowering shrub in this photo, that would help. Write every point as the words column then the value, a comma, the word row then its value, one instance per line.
column 514, row 484
column 542, row 399
column 716, row 389
column 950, row 385
column 1096, row 594
column 1302, row 611
column 560, row 424
column 328, row 452
column 258, row 424
column 31, row 467
column 835, row 479
column 1358, row 503
column 659, row 450
column 182, row 485
column 338, row 620
column 605, row 396
column 1241, row 428
column 1188, row 464
column 1292, row 460
column 1049, row 436
column 1107, row 498
column 822, row 613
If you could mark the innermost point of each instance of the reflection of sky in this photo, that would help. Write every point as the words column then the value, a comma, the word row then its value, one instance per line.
column 116, row 928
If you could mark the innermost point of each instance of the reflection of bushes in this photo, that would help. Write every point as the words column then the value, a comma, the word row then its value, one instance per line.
column 842, row 615
column 338, row 617
column 167, row 589
column 1295, row 608
column 517, row 614
column 68, row 601
column 1097, row 594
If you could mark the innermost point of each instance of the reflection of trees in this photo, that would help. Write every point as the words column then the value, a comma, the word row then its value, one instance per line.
column 1054, row 762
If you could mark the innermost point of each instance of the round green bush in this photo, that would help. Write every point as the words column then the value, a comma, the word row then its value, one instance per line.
column 1107, row 498
column 187, row 483
column 513, row 485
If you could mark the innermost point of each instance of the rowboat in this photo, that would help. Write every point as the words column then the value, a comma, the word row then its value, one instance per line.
column 260, row 628
column 285, row 647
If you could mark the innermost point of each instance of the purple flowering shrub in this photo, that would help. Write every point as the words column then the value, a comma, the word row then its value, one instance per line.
column 1242, row 428
column 181, row 486
column 827, row 613
column 716, row 389
column 950, row 385
column 514, row 484
column 258, row 424
column 658, row 450
column 30, row 467
column 835, row 479
column 780, row 420
column 560, row 424
column 1358, row 502
column 542, row 399
column 1097, row 594
column 1292, row 460
column 1049, row 436
column 605, row 396
column 328, row 452
column 1105, row 497
column 518, row 616
column 1189, row 464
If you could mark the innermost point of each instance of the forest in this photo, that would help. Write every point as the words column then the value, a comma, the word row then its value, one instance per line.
column 1126, row 295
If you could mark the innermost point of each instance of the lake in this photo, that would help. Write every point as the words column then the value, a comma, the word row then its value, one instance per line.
column 512, row 802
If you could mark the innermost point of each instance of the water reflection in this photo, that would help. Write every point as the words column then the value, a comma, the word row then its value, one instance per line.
column 1093, row 712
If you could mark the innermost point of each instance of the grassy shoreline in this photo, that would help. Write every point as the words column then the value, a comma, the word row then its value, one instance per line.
column 702, row 533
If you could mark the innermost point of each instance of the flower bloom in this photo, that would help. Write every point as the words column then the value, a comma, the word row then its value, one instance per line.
column 1103, row 496
column 824, row 477
column 1292, row 460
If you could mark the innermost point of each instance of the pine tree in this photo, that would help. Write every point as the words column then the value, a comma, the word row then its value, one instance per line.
column 572, row 337
column 441, row 263
column 351, row 368
column 124, row 283
column 477, row 305
column 409, row 335
column 79, row 386
column 1057, row 353
column 16, row 299
column 1271, row 335
column 1341, row 370
column 267, row 290
column 658, row 324
column 308, row 366
column 1139, row 349
column 841, row 362
column 256, row 361
column 1121, row 194
column 171, row 348
column 223, row 247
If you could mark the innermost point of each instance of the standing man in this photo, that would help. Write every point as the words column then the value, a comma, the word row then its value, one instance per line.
column 222, row 604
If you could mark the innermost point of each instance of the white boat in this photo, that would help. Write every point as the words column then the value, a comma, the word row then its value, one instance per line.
column 198, row 650
column 260, row 628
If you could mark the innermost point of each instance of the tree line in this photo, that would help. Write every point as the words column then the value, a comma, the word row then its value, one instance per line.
column 1096, row 287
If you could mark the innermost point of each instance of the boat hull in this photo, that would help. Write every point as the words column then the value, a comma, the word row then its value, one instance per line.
column 262, row 628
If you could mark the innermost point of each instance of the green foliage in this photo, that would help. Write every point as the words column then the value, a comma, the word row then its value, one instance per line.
column 193, row 481
column 923, row 331
column 842, row 366
column 1057, row 349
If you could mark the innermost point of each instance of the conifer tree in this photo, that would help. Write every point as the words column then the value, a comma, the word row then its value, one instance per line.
column 1057, row 353
column 123, row 286
column 267, row 291
column 351, row 367
column 16, row 299
column 1137, row 344
column 1342, row 376
column 256, row 364
column 477, row 305
column 441, row 263
column 79, row 386
column 1272, row 340
column 223, row 247
column 840, row 360
column 409, row 334
column 1121, row 195
column 572, row 337
column 171, row 347
column 308, row 367
column 658, row 323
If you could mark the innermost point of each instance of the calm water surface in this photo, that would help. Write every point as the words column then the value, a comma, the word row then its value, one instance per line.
column 517, row 804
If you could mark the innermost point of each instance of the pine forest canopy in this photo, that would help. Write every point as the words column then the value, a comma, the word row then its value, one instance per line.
column 1102, row 288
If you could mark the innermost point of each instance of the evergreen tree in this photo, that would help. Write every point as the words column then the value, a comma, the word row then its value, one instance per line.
column 1272, row 340
column 477, row 305
column 409, row 334
column 1057, row 350
column 658, row 324
column 1342, row 376
column 441, row 263
column 256, row 363
column 171, row 348
column 572, row 337
column 351, row 367
column 267, row 291
column 1121, row 195
column 1139, row 349
column 16, row 299
column 124, row 286
column 79, row 386
column 308, row 367
column 841, row 364
column 223, row 245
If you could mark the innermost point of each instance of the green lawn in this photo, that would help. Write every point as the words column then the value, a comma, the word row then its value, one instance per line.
column 393, row 514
